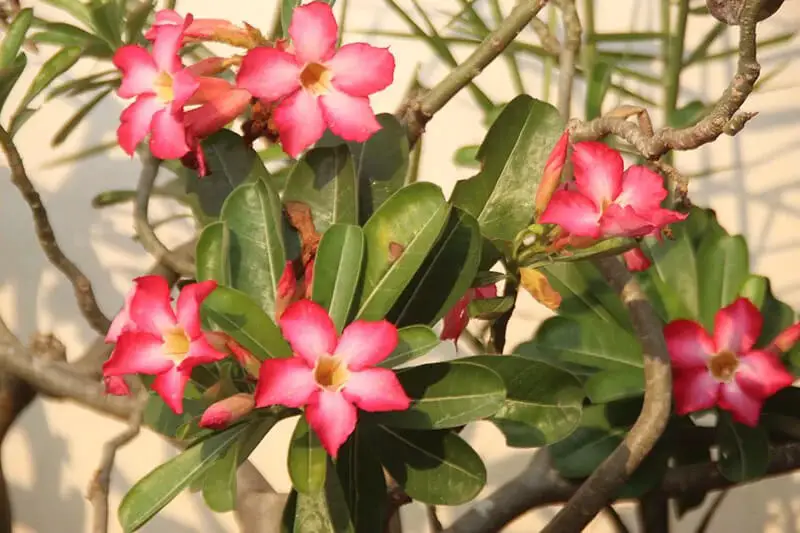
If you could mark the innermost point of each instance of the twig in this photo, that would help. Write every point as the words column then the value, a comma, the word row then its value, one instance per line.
column 724, row 118
column 569, row 51
column 420, row 111
column 654, row 512
column 433, row 519
column 145, row 232
column 84, row 294
column 598, row 489
column 616, row 520
column 549, row 41
column 711, row 512
column 97, row 492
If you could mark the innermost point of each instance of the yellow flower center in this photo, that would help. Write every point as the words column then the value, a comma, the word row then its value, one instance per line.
column 163, row 87
column 316, row 79
column 331, row 373
column 723, row 366
column 176, row 343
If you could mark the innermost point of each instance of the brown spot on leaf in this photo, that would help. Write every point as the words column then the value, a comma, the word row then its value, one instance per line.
column 395, row 251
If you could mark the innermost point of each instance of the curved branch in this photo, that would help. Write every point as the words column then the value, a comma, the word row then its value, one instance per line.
column 84, row 294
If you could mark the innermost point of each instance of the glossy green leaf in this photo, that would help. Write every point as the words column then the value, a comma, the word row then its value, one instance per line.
column 412, row 342
column 777, row 314
column 513, row 155
column 163, row 420
column 76, row 8
column 337, row 270
column 536, row 257
column 136, row 20
column 412, row 219
column 240, row 317
column 467, row 156
column 445, row 275
column 160, row 486
column 587, row 343
column 434, row 467
column 230, row 162
column 723, row 266
column 219, row 481
column 58, row 63
column 611, row 385
column 63, row 34
column 363, row 482
column 543, row 403
column 254, row 217
column 445, row 395
column 743, row 451
column 324, row 511
column 9, row 76
column 307, row 460
column 325, row 180
column 71, row 123
column 211, row 254
column 107, row 21
column 596, row 89
column 487, row 277
column 490, row 308
column 14, row 36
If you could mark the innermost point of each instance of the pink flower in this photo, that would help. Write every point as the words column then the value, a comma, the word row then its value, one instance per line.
column 318, row 85
column 636, row 260
column 161, row 87
column 200, row 29
column 551, row 176
column 724, row 369
column 153, row 339
column 607, row 201
column 786, row 339
column 225, row 412
column 332, row 377
column 456, row 320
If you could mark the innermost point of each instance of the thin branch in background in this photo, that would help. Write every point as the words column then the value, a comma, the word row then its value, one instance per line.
column 97, row 492
column 147, row 235
column 433, row 519
column 84, row 294
column 711, row 512
column 568, row 55
column 549, row 41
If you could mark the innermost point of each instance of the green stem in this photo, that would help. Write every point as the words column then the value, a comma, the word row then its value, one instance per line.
column 549, row 60
column 674, row 56
column 590, row 45
column 342, row 20
column 511, row 59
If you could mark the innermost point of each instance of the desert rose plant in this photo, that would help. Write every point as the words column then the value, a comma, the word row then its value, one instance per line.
column 314, row 291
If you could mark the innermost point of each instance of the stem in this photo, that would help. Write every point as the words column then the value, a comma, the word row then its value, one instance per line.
column 590, row 46
column 569, row 50
column 342, row 20
column 549, row 61
column 511, row 59
column 673, row 55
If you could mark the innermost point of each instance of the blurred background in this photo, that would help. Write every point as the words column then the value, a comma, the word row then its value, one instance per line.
column 752, row 180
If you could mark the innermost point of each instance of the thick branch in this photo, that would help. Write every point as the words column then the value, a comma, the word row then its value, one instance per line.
column 420, row 111
column 47, row 239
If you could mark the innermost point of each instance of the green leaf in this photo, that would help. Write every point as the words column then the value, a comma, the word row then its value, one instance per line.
column 325, row 180
column 412, row 218
column 743, row 451
column 482, row 279
column 106, row 20
column 211, row 254
column 587, row 343
column 63, row 34
column 14, row 37
column 543, row 403
column 219, row 481
column 537, row 257
column 240, row 317
column 363, row 483
column 597, row 86
column 337, row 270
column 9, row 76
column 611, row 385
column 445, row 395
column 723, row 266
column 324, row 511
column 490, row 308
column 254, row 217
column 230, row 163
column 513, row 155
column 412, row 342
column 69, row 126
column 136, row 20
column 445, row 275
column 777, row 314
column 160, row 486
column 467, row 156
column 307, row 460
column 434, row 467
column 161, row 419
column 79, row 10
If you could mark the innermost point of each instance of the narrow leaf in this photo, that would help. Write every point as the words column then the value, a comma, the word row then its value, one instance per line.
column 337, row 270
column 413, row 342
column 307, row 459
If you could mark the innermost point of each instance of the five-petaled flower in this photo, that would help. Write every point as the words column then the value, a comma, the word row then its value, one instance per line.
column 605, row 201
column 153, row 339
column 456, row 320
column 161, row 86
column 317, row 85
column 331, row 376
column 724, row 369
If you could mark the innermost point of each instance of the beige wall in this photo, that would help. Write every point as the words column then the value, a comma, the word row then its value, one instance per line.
column 51, row 454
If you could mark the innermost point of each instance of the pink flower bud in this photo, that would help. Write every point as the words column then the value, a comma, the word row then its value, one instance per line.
column 223, row 413
column 786, row 339
column 116, row 386
column 551, row 176
column 636, row 260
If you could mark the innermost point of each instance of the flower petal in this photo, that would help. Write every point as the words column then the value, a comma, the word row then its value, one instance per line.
column 364, row 344
column 188, row 307
column 135, row 122
column 137, row 353
column 574, row 212
column 168, row 137
column 170, row 386
column 349, row 117
column 694, row 390
column 151, row 305
column 309, row 330
column 360, row 69
column 598, row 171
column 761, row 374
column 376, row 389
column 313, row 31
column 786, row 339
column 288, row 382
column 163, row 17
column 636, row 260
column 116, row 386
column 737, row 326
column 332, row 418
column 642, row 189
column 664, row 217
column 487, row 291
column 624, row 221
column 299, row 121
column 689, row 345
column 165, row 48
column 184, row 85
column 269, row 73
column 215, row 114
column 201, row 353
column 455, row 320
column 122, row 321
column 744, row 408
column 551, row 175
column 138, row 71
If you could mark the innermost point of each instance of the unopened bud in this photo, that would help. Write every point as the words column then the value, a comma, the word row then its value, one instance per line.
column 551, row 175
column 636, row 260
column 225, row 412
column 248, row 361
column 786, row 339
column 116, row 386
